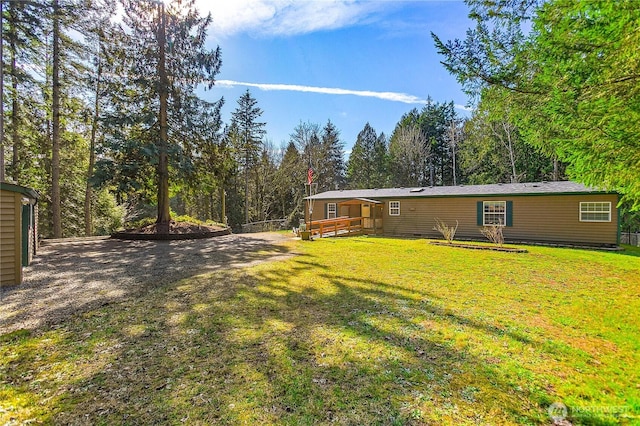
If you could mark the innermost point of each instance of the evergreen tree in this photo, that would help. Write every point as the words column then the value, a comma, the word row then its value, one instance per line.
column 164, row 60
column 332, row 168
column 249, row 139
column 289, row 181
column 21, row 32
column 98, row 31
column 234, row 199
column 380, row 177
column 367, row 165
column 56, row 217
column 48, row 122
column 218, row 165
column 434, row 120
column 570, row 80
column 203, row 156
column 266, row 191
column 65, row 69
column 494, row 150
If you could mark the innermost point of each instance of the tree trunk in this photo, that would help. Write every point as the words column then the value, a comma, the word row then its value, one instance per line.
column 1, row 104
column 512, row 159
column 15, row 136
column 259, row 196
column 88, row 220
column 223, row 204
column 453, row 143
column 211, row 206
column 164, row 214
column 246, row 185
column 48, row 121
column 55, row 136
column 508, row 129
column 453, row 153
column 432, row 172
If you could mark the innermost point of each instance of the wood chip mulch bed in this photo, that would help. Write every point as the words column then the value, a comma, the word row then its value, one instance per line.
column 177, row 231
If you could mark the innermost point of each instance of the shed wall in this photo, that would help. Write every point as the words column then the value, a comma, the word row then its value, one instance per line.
column 10, row 244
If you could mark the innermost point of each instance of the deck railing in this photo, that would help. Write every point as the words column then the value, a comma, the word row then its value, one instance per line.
column 342, row 225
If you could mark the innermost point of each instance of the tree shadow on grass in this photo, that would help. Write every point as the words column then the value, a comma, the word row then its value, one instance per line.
column 292, row 344
column 272, row 345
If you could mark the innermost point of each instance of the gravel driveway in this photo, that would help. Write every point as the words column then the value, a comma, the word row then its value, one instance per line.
column 71, row 277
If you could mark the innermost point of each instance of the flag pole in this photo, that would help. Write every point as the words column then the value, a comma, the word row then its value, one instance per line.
column 310, row 202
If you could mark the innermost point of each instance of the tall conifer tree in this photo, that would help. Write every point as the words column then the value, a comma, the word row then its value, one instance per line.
column 249, row 142
column 367, row 165
column 166, row 60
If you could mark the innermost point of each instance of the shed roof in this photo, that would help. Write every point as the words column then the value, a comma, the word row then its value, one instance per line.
column 31, row 193
column 530, row 188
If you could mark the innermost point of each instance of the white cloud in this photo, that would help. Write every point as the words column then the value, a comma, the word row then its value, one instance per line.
column 287, row 17
column 387, row 96
column 463, row 107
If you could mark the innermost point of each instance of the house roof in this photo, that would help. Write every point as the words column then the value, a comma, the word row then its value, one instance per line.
column 530, row 188
column 360, row 200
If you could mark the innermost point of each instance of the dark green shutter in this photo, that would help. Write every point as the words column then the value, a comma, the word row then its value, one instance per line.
column 509, row 213
column 326, row 210
column 480, row 213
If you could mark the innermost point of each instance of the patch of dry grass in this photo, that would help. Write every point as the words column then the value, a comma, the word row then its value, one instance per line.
column 351, row 331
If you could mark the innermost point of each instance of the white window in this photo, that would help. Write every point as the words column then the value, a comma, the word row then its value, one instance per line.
column 494, row 213
column 595, row 212
column 331, row 210
column 394, row 208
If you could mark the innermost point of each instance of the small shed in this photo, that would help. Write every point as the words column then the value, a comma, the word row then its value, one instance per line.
column 18, row 231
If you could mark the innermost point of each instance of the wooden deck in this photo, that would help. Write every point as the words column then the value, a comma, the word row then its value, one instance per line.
column 340, row 226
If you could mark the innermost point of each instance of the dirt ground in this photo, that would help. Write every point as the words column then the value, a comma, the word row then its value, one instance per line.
column 71, row 277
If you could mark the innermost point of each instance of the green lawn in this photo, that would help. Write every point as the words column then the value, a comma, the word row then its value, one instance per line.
column 351, row 331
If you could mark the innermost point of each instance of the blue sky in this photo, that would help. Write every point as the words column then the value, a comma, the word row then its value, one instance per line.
column 352, row 62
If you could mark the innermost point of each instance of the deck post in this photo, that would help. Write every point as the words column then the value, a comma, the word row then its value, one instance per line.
column 374, row 219
column 310, row 216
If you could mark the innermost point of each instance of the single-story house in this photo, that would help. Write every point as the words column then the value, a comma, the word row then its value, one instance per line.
column 18, row 231
column 554, row 212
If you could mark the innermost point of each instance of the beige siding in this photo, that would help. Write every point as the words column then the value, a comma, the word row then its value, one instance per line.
column 559, row 216
column 535, row 218
column 550, row 218
column 10, row 254
column 417, row 216
column 320, row 209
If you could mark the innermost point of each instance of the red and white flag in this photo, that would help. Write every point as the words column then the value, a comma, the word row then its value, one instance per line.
column 310, row 176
